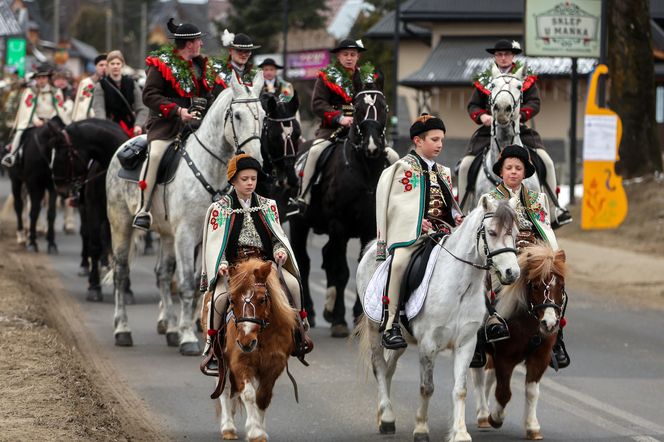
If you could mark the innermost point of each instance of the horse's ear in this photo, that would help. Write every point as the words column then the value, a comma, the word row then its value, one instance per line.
column 485, row 203
column 560, row 254
column 521, row 72
column 261, row 273
column 293, row 105
column 495, row 72
column 236, row 86
column 257, row 83
column 271, row 105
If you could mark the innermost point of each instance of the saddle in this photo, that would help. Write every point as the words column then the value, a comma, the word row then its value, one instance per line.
column 134, row 153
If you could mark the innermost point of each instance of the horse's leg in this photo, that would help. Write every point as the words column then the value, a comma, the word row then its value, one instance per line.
column 18, row 209
column 463, row 353
column 50, row 218
column 481, row 404
column 427, row 355
column 83, row 232
column 36, row 196
column 337, row 274
column 185, row 257
column 299, row 232
column 254, row 422
column 122, row 232
column 167, row 321
column 504, row 371
column 227, row 424
column 536, row 365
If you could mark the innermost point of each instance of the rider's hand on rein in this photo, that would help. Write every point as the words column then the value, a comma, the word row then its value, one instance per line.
column 185, row 115
column 486, row 119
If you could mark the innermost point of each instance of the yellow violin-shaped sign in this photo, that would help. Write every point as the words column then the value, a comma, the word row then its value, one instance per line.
column 604, row 199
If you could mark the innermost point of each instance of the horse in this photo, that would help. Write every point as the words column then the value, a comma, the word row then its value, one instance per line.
column 32, row 170
column 258, row 344
column 453, row 311
column 232, row 124
column 82, row 152
column 343, row 205
column 280, row 141
column 533, row 308
column 505, row 104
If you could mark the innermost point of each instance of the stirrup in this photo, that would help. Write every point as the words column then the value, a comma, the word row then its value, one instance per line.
column 9, row 160
column 496, row 331
column 142, row 221
column 392, row 338
column 562, row 217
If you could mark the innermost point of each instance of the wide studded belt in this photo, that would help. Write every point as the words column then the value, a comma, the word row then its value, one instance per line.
column 244, row 253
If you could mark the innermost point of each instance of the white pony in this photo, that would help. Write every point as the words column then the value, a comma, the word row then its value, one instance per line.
column 234, row 120
column 452, row 312
column 505, row 104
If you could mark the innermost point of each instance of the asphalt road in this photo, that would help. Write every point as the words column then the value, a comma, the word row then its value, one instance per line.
column 612, row 390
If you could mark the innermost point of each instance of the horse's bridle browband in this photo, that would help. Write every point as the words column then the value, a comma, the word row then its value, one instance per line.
column 549, row 302
column 229, row 112
column 249, row 303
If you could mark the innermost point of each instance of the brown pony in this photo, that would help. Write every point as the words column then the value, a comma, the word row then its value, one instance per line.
column 532, row 307
column 259, row 341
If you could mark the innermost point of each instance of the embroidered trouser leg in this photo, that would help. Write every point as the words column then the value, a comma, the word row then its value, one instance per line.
column 550, row 171
column 156, row 151
column 310, row 167
column 462, row 182
column 400, row 259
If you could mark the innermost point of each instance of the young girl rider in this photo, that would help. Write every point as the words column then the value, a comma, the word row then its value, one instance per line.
column 240, row 226
column 413, row 198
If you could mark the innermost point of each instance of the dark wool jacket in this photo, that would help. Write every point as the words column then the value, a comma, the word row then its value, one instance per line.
column 327, row 102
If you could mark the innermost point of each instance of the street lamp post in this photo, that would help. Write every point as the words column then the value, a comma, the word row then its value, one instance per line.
column 395, row 100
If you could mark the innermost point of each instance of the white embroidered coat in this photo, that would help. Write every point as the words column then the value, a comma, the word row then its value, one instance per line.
column 38, row 104
column 83, row 102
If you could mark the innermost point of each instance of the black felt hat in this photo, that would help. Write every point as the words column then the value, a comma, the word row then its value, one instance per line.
column 98, row 58
column 514, row 151
column 431, row 123
column 505, row 45
column 43, row 70
column 242, row 42
column 270, row 62
column 349, row 44
column 184, row 31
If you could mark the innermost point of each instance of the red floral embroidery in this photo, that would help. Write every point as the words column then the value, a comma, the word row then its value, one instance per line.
column 409, row 187
column 274, row 210
column 405, row 181
column 408, row 174
column 29, row 100
column 213, row 220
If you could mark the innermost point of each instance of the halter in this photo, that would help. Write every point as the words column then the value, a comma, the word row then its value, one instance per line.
column 257, row 128
column 548, row 302
column 76, row 181
column 371, row 108
column 286, row 135
column 249, row 305
column 492, row 98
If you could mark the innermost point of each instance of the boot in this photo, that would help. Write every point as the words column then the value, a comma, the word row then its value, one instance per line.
column 495, row 329
column 562, row 217
column 392, row 338
column 560, row 358
column 479, row 357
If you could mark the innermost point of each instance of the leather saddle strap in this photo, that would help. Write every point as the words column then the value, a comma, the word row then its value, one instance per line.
column 297, row 397
column 217, row 350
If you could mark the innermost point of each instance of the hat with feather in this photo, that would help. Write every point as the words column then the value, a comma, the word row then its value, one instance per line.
column 241, row 42
column 184, row 31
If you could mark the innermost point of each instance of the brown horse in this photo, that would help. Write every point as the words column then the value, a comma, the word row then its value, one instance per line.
column 533, row 307
column 259, row 340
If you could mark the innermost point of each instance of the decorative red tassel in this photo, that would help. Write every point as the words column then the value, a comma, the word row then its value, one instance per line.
column 563, row 322
column 142, row 184
column 386, row 300
column 303, row 314
column 211, row 332
column 557, row 190
column 493, row 296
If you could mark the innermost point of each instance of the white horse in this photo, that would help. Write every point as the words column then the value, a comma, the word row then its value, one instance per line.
column 233, row 121
column 452, row 312
column 505, row 105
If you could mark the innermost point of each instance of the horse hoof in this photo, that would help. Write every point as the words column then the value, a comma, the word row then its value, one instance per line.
column 69, row 230
column 162, row 326
column 32, row 247
column 52, row 249
column 387, row 427
column 94, row 295
column 327, row 315
column 123, row 339
column 129, row 298
column 421, row 437
column 340, row 331
column 483, row 423
column 21, row 239
column 83, row 272
column 229, row 435
column 173, row 340
column 190, row 349
column 494, row 424
column 534, row 435
column 259, row 439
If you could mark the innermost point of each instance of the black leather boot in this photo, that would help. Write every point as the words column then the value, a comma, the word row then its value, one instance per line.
column 392, row 338
column 560, row 354
column 495, row 329
column 479, row 357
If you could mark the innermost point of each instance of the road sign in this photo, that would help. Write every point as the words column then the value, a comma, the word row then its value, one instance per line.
column 16, row 54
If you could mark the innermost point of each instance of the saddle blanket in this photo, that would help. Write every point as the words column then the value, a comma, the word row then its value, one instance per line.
column 373, row 296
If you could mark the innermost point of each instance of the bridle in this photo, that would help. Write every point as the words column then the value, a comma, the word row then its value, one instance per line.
column 257, row 128
column 481, row 234
column 370, row 100
column 248, row 306
column 548, row 302
column 289, row 149
column 505, row 88
column 73, row 156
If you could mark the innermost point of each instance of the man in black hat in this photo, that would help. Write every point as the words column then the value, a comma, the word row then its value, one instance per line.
column 240, row 48
column 332, row 102
column 273, row 83
column 83, row 101
column 170, row 88
column 480, row 112
column 38, row 104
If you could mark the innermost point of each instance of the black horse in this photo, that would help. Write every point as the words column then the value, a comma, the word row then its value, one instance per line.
column 280, row 141
column 343, row 204
column 32, row 170
column 82, row 153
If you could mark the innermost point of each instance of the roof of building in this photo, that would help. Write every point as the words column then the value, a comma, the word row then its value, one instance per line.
column 456, row 60
column 455, row 10
column 8, row 23
column 384, row 28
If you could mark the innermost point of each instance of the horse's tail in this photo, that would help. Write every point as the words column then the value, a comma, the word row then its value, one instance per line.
column 363, row 333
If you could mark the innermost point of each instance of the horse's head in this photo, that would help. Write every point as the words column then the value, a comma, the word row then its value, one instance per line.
column 370, row 120
column 544, row 274
column 68, row 165
column 281, row 138
column 498, row 231
column 250, row 302
column 505, row 99
column 244, row 117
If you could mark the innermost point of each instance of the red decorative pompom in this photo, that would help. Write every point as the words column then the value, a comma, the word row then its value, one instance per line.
column 557, row 190
column 211, row 332
column 493, row 296
column 386, row 300
column 303, row 314
column 301, row 174
column 142, row 184
column 563, row 322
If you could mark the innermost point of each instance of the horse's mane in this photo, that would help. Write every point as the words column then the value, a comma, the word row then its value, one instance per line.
column 536, row 262
column 243, row 279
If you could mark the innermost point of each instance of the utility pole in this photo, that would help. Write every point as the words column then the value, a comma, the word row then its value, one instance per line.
column 144, row 33
column 121, row 32
column 109, row 27
column 56, row 22
column 284, row 49
column 395, row 101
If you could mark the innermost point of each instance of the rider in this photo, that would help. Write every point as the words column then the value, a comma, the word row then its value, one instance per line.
column 513, row 166
column 176, row 76
column 240, row 47
column 273, row 83
column 332, row 101
column 413, row 198
column 117, row 97
column 38, row 104
column 83, row 102
column 480, row 112
column 240, row 226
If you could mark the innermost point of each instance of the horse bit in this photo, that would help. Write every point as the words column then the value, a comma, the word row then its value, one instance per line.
column 249, row 304
column 257, row 128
